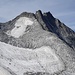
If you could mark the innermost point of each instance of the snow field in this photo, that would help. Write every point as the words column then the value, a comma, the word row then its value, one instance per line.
column 21, row 60
column 20, row 27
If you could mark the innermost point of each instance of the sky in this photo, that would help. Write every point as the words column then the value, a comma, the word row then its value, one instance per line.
column 64, row 10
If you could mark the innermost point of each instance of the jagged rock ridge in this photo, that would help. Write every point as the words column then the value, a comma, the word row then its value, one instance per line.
column 45, row 21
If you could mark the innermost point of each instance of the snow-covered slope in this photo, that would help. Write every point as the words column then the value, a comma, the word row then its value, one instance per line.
column 20, row 60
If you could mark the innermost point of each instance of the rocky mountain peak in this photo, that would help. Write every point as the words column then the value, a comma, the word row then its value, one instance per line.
column 49, row 15
column 27, row 14
column 36, row 44
column 41, row 21
column 39, row 12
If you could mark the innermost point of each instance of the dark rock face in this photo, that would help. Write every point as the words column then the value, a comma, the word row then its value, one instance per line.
column 53, row 25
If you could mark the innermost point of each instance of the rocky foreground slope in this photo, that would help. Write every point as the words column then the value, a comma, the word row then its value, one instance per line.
column 36, row 44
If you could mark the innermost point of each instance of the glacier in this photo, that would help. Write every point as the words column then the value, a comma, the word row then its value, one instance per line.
column 21, row 60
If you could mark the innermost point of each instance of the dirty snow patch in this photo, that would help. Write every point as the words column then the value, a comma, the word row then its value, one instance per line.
column 20, row 26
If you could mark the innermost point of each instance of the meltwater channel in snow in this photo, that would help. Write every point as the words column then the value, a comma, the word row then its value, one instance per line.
column 20, row 27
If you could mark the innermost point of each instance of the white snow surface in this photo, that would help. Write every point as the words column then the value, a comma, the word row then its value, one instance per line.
column 4, row 72
column 20, row 26
column 20, row 60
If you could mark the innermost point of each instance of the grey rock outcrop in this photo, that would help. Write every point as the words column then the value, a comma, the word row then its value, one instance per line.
column 54, row 25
